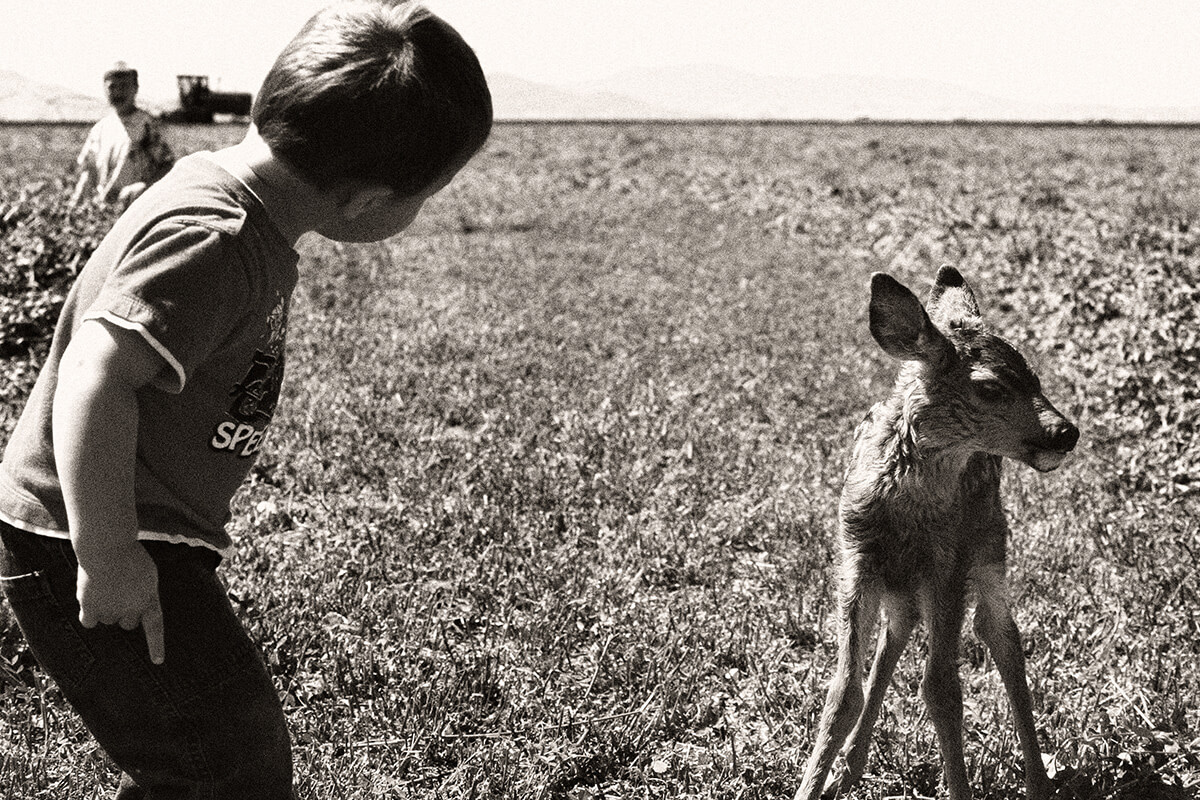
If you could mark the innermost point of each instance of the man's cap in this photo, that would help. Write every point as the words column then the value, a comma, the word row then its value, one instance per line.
column 120, row 68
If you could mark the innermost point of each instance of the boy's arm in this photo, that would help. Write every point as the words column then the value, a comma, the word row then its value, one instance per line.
column 86, row 173
column 95, row 442
column 82, row 184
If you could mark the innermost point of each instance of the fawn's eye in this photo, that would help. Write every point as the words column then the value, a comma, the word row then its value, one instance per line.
column 991, row 391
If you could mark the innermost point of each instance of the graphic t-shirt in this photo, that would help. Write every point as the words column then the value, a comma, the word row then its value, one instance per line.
column 199, row 270
column 124, row 150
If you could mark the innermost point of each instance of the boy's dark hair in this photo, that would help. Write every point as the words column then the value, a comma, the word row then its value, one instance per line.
column 379, row 92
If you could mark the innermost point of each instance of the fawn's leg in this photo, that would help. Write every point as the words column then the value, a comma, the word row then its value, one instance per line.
column 941, row 687
column 995, row 626
column 900, row 620
column 858, row 610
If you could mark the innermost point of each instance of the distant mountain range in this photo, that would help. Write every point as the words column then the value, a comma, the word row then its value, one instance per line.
column 680, row 93
column 24, row 100
column 714, row 92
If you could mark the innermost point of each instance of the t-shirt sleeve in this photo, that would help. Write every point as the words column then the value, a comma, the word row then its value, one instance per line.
column 182, row 287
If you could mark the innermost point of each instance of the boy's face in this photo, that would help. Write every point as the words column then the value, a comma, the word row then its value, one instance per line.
column 121, row 89
column 384, row 213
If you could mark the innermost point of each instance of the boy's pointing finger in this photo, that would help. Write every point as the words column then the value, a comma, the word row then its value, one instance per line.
column 152, row 624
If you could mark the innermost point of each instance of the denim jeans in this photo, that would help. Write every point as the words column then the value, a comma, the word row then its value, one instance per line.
column 207, row 723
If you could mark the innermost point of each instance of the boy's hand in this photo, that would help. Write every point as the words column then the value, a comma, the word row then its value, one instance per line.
column 130, row 193
column 121, row 588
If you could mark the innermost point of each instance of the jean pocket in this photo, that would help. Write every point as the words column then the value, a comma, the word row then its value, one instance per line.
column 49, row 628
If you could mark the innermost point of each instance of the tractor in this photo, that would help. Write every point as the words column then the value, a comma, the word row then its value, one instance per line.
column 198, row 103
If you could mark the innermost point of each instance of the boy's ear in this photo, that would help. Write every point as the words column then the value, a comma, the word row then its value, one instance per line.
column 900, row 324
column 355, row 200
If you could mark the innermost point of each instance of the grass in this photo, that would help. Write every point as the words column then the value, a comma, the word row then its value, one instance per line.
column 547, row 511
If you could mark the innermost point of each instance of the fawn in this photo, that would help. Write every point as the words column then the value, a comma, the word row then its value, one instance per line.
column 920, row 519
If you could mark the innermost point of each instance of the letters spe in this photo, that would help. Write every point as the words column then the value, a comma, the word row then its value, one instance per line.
column 238, row 437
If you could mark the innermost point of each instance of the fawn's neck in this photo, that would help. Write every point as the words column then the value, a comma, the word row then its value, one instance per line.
column 928, row 464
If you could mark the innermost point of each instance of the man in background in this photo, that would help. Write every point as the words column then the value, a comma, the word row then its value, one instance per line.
column 125, row 151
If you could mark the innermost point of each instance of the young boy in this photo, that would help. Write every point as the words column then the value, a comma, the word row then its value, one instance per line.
column 164, row 372
column 125, row 151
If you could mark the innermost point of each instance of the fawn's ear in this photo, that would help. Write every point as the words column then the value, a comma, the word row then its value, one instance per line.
column 951, row 298
column 900, row 324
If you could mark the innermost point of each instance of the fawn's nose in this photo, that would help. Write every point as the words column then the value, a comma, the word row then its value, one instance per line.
column 1063, row 437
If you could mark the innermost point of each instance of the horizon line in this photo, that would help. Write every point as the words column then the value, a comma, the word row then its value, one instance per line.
column 781, row 121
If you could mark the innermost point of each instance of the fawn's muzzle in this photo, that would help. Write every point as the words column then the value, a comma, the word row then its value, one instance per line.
column 1046, row 453
column 1063, row 437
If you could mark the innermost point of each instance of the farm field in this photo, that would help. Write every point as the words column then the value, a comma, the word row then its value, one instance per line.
column 547, row 509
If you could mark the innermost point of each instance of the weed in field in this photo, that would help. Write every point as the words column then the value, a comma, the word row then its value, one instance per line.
column 546, row 510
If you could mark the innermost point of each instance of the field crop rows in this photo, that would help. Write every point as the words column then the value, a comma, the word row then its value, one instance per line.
column 546, row 510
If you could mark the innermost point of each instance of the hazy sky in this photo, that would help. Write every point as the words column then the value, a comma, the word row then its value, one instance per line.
column 1140, row 53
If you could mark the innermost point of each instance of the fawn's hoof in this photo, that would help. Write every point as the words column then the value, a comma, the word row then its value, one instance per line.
column 834, row 786
column 841, row 782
